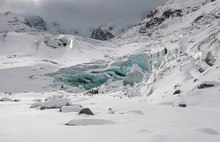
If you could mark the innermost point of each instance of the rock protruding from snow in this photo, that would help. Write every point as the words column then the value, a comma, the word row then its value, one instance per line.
column 173, row 13
column 177, row 92
column 205, row 85
column 92, row 91
column 100, row 34
column 180, row 104
column 134, row 76
column 55, row 42
column 86, row 111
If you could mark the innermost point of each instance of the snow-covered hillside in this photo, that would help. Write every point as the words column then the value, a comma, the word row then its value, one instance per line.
column 157, row 82
column 190, row 33
column 13, row 22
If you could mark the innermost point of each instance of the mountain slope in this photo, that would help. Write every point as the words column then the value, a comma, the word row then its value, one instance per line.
column 13, row 22
column 189, row 31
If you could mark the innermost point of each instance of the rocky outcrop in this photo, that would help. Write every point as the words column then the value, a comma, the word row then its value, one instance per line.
column 86, row 111
column 37, row 23
column 172, row 13
column 100, row 34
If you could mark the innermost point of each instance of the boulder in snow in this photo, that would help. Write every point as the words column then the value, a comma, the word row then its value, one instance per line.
column 179, row 104
column 86, row 111
column 93, row 91
column 205, row 85
column 177, row 92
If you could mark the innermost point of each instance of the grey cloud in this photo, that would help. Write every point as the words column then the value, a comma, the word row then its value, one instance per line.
column 80, row 12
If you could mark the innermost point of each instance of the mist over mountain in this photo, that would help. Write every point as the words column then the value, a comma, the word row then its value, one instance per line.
column 84, row 15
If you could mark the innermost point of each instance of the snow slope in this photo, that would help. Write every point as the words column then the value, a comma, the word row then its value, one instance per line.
column 132, row 120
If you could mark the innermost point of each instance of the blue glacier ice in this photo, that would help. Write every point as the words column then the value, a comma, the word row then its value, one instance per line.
column 129, row 69
column 141, row 59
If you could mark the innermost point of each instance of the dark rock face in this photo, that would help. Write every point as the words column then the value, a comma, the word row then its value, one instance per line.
column 93, row 91
column 177, row 92
column 55, row 43
column 156, row 21
column 172, row 13
column 182, row 105
column 206, row 19
column 152, row 14
column 86, row 111
column 37, row 23
column 152, row 23
column 203, row 86
column 198, row 18
column 100, row 34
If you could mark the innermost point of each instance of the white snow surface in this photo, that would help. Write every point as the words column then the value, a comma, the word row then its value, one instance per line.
column 148, row 113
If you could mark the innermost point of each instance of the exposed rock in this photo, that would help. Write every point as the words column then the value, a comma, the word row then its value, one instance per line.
column 152, row 13
column 203, row 86
column 152, row 23
column 198, row 18
column 179, row 104
column 177, row 92
column 195, row 80
column 206, row 19
column 172, row 13
column 111, row 111
column 37, row 22
column 93, row 91
column 100, row 34
column 86, row 111
column 55, row 43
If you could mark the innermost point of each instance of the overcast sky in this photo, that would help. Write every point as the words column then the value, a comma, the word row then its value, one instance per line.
column 80, row 12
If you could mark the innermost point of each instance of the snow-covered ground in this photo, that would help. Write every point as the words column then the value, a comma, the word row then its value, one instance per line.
column 177, row 99
column 127, row 120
